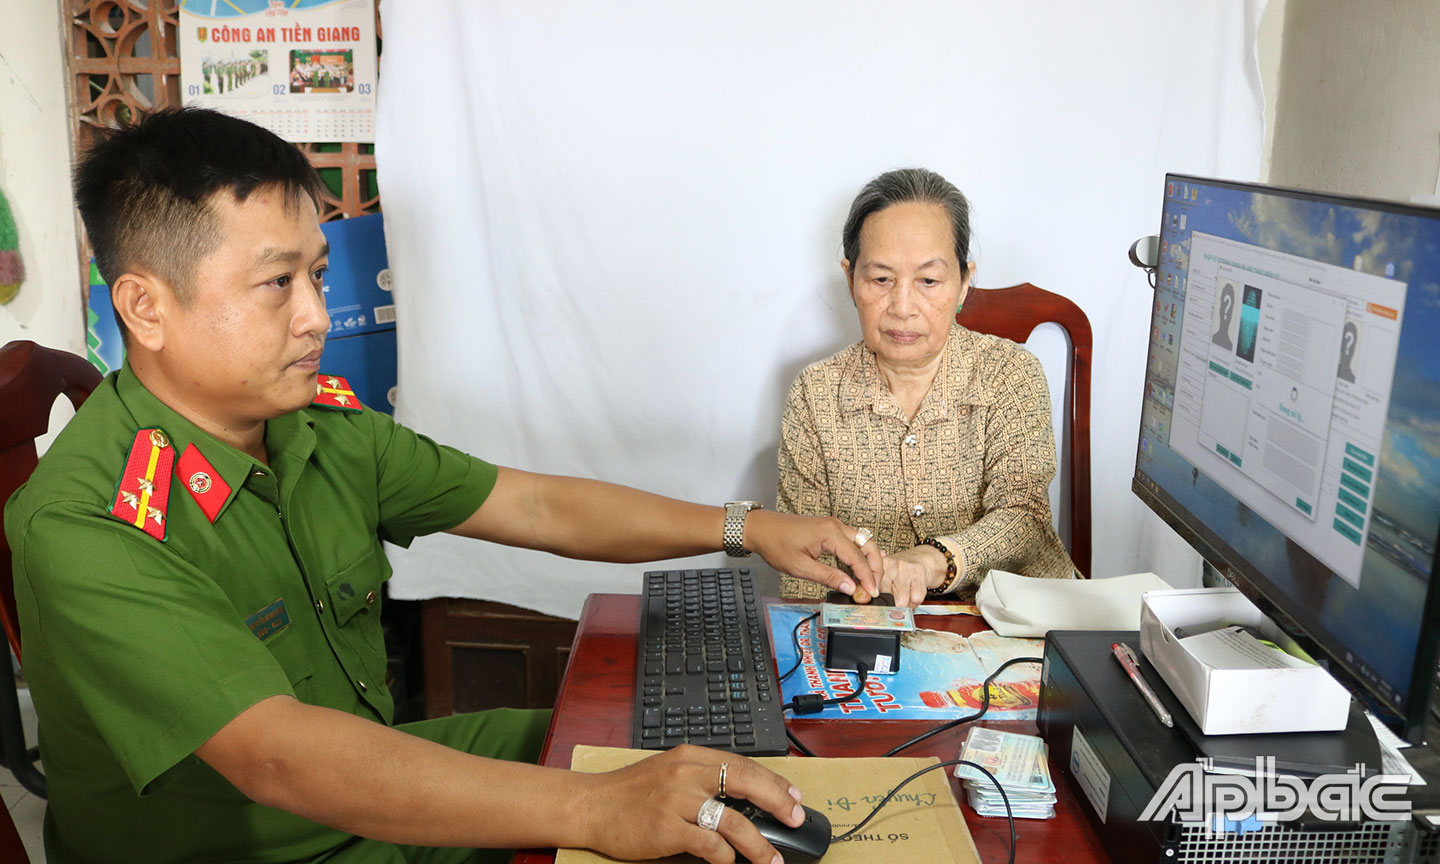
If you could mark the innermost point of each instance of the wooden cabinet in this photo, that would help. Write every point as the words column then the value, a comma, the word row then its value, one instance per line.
column 480, row 654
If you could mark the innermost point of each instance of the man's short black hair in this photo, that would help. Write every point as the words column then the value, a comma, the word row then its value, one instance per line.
column 144, row 192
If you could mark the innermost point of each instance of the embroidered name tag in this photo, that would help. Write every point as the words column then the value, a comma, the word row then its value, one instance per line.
column 269, row 621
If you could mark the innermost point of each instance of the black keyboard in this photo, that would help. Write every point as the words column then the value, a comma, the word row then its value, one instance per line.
column 705, row 674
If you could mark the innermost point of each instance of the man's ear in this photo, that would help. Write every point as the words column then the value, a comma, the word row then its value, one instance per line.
column 139, row 299
column 849, row 278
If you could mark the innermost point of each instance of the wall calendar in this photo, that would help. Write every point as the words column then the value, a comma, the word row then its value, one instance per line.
column 304, row 69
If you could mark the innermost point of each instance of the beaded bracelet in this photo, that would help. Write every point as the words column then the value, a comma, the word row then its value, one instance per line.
column 951, row 571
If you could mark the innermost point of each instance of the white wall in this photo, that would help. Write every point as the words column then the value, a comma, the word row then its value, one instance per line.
column 1358, row 107
column 1268, row 46
column 35, row 177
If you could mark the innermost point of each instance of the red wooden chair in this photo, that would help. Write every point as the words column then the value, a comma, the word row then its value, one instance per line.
column 31, row 379
column 11, row 849
column 1014, row 313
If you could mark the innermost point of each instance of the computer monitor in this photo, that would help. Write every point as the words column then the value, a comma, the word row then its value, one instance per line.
column 1291, row 420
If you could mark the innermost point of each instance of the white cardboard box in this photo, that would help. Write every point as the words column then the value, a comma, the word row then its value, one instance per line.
column 1235, row 701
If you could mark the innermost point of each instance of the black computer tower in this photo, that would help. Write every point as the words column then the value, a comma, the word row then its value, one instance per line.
column 1105, row 742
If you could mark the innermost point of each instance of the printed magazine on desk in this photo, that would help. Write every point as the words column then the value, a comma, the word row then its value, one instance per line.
column 940, row 673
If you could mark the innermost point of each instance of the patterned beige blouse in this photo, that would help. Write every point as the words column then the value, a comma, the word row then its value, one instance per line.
column 972, row 469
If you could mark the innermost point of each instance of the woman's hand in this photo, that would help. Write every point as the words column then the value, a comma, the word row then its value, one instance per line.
column 908, row 575
column 649, row 809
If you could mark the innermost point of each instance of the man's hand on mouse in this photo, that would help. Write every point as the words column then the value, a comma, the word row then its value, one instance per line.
column 650, row 809
column 791, row 544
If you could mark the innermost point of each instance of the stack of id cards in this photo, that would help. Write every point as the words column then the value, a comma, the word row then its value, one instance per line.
column 1018, row 763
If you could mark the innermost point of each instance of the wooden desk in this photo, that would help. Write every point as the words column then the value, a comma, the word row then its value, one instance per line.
column 595, row 707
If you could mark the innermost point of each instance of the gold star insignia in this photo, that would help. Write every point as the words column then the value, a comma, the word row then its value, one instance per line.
column 343, row 400
column 145, row 486
column 156, row 515
column 334, row 382
column 130, row 498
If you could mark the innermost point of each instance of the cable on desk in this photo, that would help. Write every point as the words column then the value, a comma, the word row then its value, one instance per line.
column 984, row 706
column 795, row 638
column 814, row 703
column 1009, row 814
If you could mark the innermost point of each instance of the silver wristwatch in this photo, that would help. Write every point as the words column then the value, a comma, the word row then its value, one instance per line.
column 735, row 526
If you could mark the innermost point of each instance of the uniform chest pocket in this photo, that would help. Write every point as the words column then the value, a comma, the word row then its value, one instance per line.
column 354, row 598
column 356, row 590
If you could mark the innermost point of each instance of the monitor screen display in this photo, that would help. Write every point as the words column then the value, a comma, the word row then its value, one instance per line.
column 1291, row 420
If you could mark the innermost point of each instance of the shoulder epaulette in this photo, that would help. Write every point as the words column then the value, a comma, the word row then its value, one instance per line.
column 143, row 493
column 206, row 485
column 332, row 391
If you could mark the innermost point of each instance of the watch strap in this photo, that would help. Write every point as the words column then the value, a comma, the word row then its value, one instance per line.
column 734, row 535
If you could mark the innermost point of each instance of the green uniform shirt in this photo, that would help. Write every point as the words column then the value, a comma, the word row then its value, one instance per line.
column 137, row 651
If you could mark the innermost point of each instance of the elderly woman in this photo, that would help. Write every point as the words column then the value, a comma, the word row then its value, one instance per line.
column 937, row 439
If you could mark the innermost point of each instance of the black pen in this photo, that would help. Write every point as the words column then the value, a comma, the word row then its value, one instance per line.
column 1126, row 657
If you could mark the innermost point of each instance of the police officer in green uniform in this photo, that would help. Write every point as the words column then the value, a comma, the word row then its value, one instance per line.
column 198, row 565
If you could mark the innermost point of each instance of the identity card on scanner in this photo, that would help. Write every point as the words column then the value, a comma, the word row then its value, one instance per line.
column 864, row 638
column 892, row 618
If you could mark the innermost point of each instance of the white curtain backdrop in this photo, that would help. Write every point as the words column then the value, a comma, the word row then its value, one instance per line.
column 615, row 227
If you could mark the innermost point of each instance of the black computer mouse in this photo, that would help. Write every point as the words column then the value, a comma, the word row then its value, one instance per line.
column 802, row 845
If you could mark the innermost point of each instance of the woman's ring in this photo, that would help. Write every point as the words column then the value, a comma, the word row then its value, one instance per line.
column 710, row 813
column 863, row 536
column 723, row 766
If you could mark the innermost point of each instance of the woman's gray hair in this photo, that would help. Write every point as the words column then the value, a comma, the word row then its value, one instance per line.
column 899, row 187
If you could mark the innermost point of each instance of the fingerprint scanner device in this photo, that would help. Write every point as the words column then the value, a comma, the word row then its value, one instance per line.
column 864, row 634
column 1114, row 755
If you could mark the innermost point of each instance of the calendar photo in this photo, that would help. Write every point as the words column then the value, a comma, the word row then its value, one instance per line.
column 322, row 71
column 236, row 73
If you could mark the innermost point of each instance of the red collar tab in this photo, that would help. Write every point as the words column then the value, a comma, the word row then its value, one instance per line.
column 143, row 493
column 332, row 391
column 206, row 485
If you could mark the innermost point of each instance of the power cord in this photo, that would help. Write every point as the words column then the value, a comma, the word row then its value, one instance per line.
column 984, row 707
column 795, row 639
column 1009, row 814
column 814, row 703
